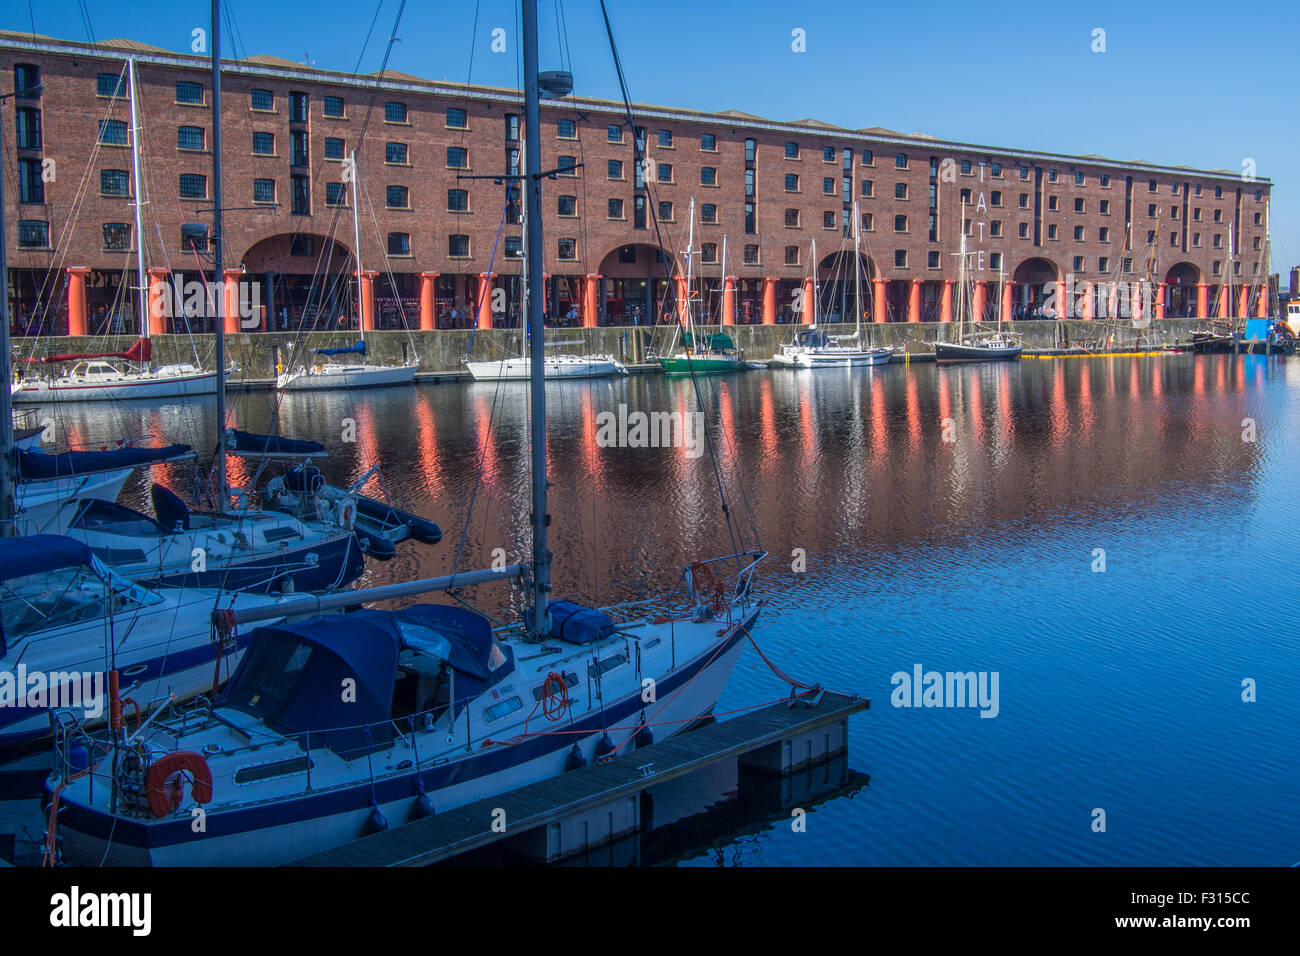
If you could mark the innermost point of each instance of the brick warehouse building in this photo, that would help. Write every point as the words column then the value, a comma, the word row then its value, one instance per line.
column 428, row 238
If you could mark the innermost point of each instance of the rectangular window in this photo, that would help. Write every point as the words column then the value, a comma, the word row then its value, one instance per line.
column 31, row 187
column 1105, row 181
column 335, row 194
column 708, row 176
column 1078, row 204
column 664, row 173
column 1078, row 233
column 1078, row 263
column 792, row 182
column 263, row 190
column 514, row 247
column 900, row 258
column 399, row 244
column 568, row 166
column 457, row 157
column 566, row 249
column 639, row 213
column 751, row 147
column 298, row 154
column 33, row 234
column 900, row 160
column 457, row 118
column 900, row 190
column 191, row 137
column 828, row 220
column 189, row 92
column 615, row 209
column 900, row 224
column 1051, row 204
column 995, row 198
column 27, row 77
column 1103, row 264
column 397, row 197
column 512, row 127
column 1078, row 178
column 112, row 133
column 709, row 252
column 1024, row 173
column 29, row 128
column 868, row 221
column 1024, row 200
column 566, row 205
column 792, row 217
column 117, row 237
column 458, row 200
column 614, row 170
column 995, row 228
column 749, row 183
column 665, row 139
column 332, row 106
column 792, row 255
column 333, row 148
column 300, row 188
column 965, row 167
column 613, row 133
column 828, row 186
column 1051, row 231
column 502, row 708
column 458, row 247
column 708, row 212
column 665, row 212
column 791, row 150
column 932, row 260
column 264, row 144
column 261, row 100
column 751, row 255
column 193, row 186
column 867, row 187
column 114, row 182
column 394, row 112
column 297, row 107
column 110, row 84
column 868, row 158
column 395, row 154
column 751, row 220
column 1023, row 230
column 708, row 142
column 995, row 170
column 1104, row 207
column 566, row 129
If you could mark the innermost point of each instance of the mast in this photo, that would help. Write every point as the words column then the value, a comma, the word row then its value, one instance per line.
column 142, row 294
column 816, row 297
column 356, row 246
column 857, row 274
column 541, row 583
column 690, row 262
column 961, row 275
column 721, row 309
column 218, row 269
column 8, row 482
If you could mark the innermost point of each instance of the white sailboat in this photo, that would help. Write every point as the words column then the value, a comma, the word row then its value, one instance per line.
column 447, row 710
column 113, row 376
column 307, row 374
column 979, row 344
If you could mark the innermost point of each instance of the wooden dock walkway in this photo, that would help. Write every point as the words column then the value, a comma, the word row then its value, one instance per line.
column 779, row 738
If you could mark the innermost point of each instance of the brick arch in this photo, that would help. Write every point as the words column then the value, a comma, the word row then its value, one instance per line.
column 1183, row 273
column 1035, row 270
column 646, row 264
column 273, row 254
column 315, row 287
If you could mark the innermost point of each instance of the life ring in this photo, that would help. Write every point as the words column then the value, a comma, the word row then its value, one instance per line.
column 164, row 784
column 346, row 510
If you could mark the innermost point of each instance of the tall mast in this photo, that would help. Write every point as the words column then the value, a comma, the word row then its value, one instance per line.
column 690, row 262
column 813, row 306
column 8, row 478
column 356, row 245
column 721, row 304
column 541, row 623
column 217, row 257
column 142, row 294
column 857, row 273
column 961, row 274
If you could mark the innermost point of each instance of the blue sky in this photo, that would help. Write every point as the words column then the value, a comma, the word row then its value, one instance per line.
column 1191, row 82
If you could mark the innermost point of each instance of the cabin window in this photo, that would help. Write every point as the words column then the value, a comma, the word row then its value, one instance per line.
column 607, row 665
column 570, row 678
column 502, row 708
column 254, row 773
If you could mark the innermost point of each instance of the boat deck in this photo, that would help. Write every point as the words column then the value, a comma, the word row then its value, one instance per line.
column 779, row 738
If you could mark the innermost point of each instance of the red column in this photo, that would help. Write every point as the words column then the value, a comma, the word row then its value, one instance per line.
column 1261, row 304
column 1225, row 310
column 230, row 296
column 1008, row 291
column 914, row 301
column 160, row 300
column 981, row 296
column 729, row 300
column 1085, row 307
column 1060, row 298
column 878, row 300
column 769, row 301
column 945, row 309
column 590, row 298
column 1202, row 300
column 1135, row 301
column 683, row 298
column 368, row 299
column 1160, row 301
column 809, row 313
column 428, row 288
column 485, row 300
column 1243, row 302
column 77, row 299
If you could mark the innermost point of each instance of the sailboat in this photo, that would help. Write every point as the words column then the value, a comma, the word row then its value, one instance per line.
column 447, row 710
column 316, row 375
column 130, row 374
column 977, row 345
column 518, row 368
column 699, row 356
column 813, row 348
column 1218, row 337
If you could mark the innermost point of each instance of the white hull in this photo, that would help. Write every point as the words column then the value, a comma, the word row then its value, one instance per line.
column 346, row 376
column 46, row 507
column 843, row 358
column 160, row 383
column 556, row 366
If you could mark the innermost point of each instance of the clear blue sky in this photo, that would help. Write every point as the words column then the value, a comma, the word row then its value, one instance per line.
column 1181, row 81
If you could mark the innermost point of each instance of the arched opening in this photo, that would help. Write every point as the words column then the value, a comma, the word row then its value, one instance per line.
column 308, row 281
column 1180, row 290
column 1035, row 290
column 634, row 286
column 843, row 288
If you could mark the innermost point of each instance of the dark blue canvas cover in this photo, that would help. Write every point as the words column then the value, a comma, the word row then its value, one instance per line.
column 36, row 465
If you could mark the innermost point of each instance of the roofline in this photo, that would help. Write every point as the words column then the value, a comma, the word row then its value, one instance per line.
column 502, row 95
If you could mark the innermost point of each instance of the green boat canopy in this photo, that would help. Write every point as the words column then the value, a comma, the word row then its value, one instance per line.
column 718, row 341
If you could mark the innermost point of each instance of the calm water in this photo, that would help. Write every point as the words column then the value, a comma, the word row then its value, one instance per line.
column 1118, row 690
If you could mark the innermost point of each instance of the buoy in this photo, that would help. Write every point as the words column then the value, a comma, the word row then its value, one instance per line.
column 78, row 757
column 376, row 822
column 603, row 746
column 644, row 737
column 423, row 806
column 575, row 759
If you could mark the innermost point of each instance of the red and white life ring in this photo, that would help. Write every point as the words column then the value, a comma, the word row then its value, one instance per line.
column 164, row 784
column 346, row 510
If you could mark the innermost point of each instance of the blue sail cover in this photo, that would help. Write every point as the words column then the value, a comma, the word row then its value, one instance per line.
column 253, row 444
column 40, row 554
column 36, row 465
column 359, row 348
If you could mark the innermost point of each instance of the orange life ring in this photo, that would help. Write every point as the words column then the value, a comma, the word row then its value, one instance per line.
column 164, row 784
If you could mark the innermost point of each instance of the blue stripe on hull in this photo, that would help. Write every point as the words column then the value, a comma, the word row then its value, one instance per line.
column 140, row 834
column 339, row 563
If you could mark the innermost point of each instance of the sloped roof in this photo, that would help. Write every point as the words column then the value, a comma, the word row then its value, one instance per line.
column 738, row 114
column 135, row 46
column 23, row 35
column 266, row 59
column 818, row 124
column 400, row 77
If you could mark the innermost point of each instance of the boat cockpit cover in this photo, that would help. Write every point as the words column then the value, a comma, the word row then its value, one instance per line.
column 813, row 339
column 167, row 505
column 253, row 444
column 36, row 465
column 579, row 625
column 359, row 347
column 721, row 342
column 40, row 553
column 458, row 636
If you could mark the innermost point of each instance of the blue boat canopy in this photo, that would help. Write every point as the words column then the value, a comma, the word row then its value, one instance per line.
column 249, row 443
column 40, row 554
column 577, row 624
column 333, row 675
column 36, row 465
column 359, row 348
